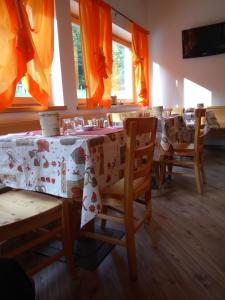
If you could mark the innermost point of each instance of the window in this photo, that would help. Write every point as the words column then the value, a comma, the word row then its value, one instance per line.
column 22, row 98
column 24, row 101
column 122, row 73
column 79, row 71
column 21, row 91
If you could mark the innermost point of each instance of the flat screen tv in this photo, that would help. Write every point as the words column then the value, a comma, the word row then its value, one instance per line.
column 204, row 41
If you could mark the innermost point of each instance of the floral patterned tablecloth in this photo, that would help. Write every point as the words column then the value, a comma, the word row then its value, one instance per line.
column 66, row 166
column 174, row 130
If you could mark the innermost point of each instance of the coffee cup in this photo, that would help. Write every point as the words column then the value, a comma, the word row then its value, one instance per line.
column 49, row 122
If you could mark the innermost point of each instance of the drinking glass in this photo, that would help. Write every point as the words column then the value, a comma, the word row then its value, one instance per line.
column 68, row 126
column 94, row 121
column 49, row 122
column 78, row 123
column 105, row 124
column 100, row 122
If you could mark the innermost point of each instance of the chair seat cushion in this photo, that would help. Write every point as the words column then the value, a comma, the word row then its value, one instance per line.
column 183, row 147
column 116, row 190
column 20, row 205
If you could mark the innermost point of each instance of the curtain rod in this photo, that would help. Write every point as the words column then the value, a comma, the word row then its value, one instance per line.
column 130, row 20
column 118, row 12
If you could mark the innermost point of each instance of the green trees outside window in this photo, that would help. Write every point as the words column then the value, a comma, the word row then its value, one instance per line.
column 79, row 71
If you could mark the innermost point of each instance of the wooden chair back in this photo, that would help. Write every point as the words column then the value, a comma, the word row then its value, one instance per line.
column 139, row 157
column 177, row 111
column 120, row 117
column 157, row 111
column 199, row 128
column 147, row 112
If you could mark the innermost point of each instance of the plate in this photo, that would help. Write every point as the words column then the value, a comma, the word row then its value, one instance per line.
column 88, row 127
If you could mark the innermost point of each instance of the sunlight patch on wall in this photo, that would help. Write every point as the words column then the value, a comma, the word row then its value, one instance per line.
column 195, row 93
column 56, row 76
column 156, row 86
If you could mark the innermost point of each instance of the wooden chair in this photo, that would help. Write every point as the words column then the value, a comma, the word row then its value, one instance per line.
column 120, row 197
column 147, row 112
column 157, row 111
column 177, row 111
column 166, row 112
column 193, row 152
column 120, row 117
column 25, row 212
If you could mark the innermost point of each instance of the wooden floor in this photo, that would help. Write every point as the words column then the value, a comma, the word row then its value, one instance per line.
column 189, row 262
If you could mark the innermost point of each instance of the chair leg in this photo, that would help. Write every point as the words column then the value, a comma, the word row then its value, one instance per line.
column 203, row 174
column 170, row 168
column 162, row 173
column 131, row 253
column 68, row 239
column 150, row 218
column 198, row 176
column 157, row 173
column 130, row 241
column 103, row 221
column 202, row 169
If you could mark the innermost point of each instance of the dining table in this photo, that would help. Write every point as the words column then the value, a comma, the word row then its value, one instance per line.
column 74, row 166
column 173, row 129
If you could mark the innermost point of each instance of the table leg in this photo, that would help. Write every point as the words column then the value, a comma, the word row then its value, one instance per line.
column 68, row 236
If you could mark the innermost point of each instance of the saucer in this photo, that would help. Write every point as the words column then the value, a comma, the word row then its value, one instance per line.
column 88, row 127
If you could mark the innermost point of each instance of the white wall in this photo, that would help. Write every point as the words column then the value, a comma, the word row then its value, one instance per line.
column 166, row 20
column 136, row 10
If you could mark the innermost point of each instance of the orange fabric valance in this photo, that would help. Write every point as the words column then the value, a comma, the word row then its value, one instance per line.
column 96, row 43
column 140, row 62
column 26, row 48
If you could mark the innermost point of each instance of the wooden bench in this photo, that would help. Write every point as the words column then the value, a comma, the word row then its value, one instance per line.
column 219, row 112
column 216, row 135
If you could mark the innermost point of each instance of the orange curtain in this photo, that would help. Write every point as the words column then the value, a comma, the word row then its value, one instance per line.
column 37, row 78
column 15, row 47
column 96, row 43
column 20, row 23
column 140, row 62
